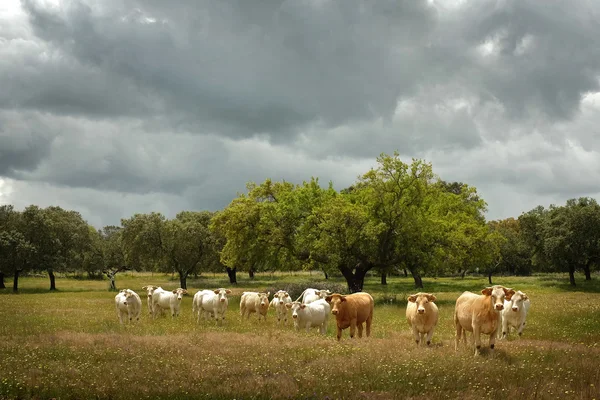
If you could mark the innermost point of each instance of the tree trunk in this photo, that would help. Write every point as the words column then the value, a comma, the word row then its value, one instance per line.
column 587, row 271
column 463, row 273
column 405, row 273
column 572, row 276
column 417, row 278
column 251, row 273
column 183, row 280
column 2, row 285
column 383, row 278
column 16, row 280
column 52, row 279
column 326, row 276
column 231, row 272
column 356, row 279
column 490, row 272
column 111, row 277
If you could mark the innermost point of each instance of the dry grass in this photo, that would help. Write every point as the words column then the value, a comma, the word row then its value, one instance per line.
column 69, row 345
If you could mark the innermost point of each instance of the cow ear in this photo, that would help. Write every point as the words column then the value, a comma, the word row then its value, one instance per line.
column 268, row 294
column 328, row 299
column 216, row 291
column 175, row 291
column 487, row 291
column 508, row 293
column 286, row 294
column 303, row 306
column 145, row 287
column 288, row 305
column 227, row 291
column 431, row 297
column 343, row 298
column 412, row 298
column 524, row 296
column 318, row 292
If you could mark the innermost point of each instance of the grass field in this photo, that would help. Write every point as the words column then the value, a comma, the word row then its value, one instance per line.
column 69, row 344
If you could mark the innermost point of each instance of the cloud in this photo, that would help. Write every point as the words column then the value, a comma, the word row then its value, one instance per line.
column 126, row 106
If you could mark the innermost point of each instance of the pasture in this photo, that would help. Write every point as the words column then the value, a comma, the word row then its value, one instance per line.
column 69, row 345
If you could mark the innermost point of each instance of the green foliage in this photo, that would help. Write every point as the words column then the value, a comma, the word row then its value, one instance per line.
column 295, row 289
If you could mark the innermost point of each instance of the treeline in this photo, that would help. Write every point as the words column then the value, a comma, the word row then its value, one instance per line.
column 396, row 218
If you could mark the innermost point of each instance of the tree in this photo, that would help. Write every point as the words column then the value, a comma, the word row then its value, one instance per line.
column 515, row 254
column 183, row 244
column 261, row 227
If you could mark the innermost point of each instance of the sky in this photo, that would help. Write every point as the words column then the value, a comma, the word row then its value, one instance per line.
column 117, row 107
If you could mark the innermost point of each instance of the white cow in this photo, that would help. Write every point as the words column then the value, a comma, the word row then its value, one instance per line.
column 422, row 316
column 309, row 295
column 163, row 300
column 149, row 291
column 211, row 303
column 280, row 299
column 315, row 314
column 128, row 305
column 514, row 314
column 254, row 302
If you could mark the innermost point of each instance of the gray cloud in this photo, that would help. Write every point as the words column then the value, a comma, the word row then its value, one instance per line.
column 126, row 106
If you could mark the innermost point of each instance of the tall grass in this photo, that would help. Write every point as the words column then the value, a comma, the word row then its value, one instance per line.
column 70, row 345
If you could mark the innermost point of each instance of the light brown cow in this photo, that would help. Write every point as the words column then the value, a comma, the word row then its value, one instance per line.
column 251, row 302
column 480, row 314
column 351, row 311
column 422, row 315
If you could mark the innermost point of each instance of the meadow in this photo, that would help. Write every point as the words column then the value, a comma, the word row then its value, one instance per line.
column 69, row 344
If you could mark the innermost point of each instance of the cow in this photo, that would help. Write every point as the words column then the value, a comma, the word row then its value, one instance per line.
column 128, row 305
column 211, row 303
column 254, row 302
column 351, row 311
column 480, row 314
column 315, row 314
column 514, row 313
column 149, row 291
column 165, row 300
column 422, row 315
column 309, row 295
column 280, row 299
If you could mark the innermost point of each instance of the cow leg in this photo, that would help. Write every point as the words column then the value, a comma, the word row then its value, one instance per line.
column 459, row 332
column 368, row 323
column 339, row 333
column 505, row 328
column 360, row 329
column 352, row 328
column 430, row 335
column 416, row 334
column 476, row 338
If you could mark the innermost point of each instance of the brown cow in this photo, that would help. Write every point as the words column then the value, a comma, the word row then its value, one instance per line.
column 422, row 316
column 480, row 314
column 351, row 311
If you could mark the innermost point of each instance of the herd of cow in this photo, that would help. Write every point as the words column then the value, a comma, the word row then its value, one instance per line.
column 493, row 312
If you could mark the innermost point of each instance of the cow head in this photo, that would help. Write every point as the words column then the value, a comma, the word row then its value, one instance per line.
column 281, row 296
column 295, row 307
column 150, row 290
column 336, row 301
column 497, row 294
column 179, row 292
column 421, row 299
column 222, row 294
column 264, row 299
column 516, row 301
column 323, row 293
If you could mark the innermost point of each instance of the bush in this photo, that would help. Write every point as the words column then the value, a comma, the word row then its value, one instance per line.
column 296, row 289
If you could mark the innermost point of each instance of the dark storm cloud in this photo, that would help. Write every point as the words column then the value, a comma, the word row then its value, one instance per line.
column 243, row 69
column 119, row 106
column 544, row 56
column 24, row 143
